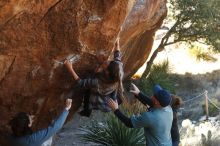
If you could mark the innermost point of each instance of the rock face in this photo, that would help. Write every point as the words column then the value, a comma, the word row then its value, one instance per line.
column 35, row 35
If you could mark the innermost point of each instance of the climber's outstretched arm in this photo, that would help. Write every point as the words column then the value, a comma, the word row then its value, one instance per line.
column 117, row 45
column 117, row 56
column 69, row 66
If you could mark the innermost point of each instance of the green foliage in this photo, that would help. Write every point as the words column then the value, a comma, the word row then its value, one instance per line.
column 159, row 74
column 202, row 54
column 196, row 21
column 113, row 133
column 213, row 111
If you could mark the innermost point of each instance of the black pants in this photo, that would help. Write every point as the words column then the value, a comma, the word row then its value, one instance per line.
column 86, row 97
column 86, row 100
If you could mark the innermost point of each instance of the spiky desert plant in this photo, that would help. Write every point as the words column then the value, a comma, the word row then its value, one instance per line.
column 159, row 74
column 112, row 133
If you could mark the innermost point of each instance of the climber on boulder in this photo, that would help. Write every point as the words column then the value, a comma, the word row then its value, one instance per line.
column 24, row 136
column 106, row 83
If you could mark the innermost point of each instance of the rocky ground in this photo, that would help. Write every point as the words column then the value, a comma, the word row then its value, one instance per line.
column 68, row 136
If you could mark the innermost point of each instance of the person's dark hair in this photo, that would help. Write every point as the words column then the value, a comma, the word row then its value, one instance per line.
column 176, row 101
column 19, row 125
column 116, row 73
column 114, row 69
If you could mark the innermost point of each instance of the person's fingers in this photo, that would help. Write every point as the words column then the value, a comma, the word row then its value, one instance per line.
column 132, row 91
column 110, row 101
column 113, row 102
column 133, row 86
column 32, row 117
column 110, row 104
column 116, row 101
column 66, row 61
column 68, row 102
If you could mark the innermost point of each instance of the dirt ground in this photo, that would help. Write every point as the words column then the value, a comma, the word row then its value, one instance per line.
column 68, row 136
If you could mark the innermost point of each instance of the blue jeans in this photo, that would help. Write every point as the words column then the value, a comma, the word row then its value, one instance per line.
column 175, row 143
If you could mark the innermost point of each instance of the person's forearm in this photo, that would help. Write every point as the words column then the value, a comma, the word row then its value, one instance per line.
column 117, row 48
column 117, row 45
column 123, row 118
column 42, row 135
column 73, row 74
column 144, row 99
column 58, row 123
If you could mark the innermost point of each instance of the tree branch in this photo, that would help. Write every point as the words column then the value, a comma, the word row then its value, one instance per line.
column 161, row 47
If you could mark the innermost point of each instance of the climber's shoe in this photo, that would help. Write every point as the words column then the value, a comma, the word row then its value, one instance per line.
column 85, row 112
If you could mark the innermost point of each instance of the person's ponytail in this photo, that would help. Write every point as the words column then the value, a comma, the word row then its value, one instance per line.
column 121, row 87
column 176, row 101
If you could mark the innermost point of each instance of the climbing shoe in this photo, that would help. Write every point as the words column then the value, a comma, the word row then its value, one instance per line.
column 85, row 112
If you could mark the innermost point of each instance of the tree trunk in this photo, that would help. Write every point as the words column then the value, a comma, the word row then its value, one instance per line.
column 150, row 62
column 163, row 43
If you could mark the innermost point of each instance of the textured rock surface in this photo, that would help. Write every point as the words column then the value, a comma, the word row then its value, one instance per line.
column 33, row 34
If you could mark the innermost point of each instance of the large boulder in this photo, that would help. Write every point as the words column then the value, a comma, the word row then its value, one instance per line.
column 36, row 35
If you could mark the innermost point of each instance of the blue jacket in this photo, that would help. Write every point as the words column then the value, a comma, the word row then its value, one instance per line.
column 157, row 125
column 39, row 137
column 174, row 129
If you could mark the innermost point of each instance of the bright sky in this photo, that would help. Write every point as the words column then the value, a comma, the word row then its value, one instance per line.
column 181, row 61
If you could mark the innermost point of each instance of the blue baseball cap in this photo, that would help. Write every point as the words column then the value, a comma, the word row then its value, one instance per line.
column 163, row 96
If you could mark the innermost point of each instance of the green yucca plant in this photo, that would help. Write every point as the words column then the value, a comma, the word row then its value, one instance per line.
column 112, row 132
column 159, row 74
column 202, row 54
